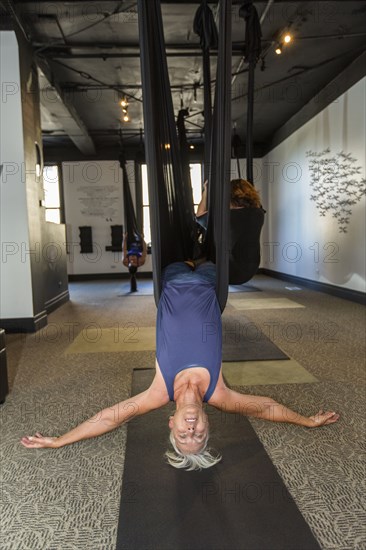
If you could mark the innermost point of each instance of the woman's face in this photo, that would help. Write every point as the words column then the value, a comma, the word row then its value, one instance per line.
column 190, row 428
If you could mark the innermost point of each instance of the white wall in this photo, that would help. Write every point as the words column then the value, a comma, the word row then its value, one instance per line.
column 298, row 239
column 15, row 268
column 93, row 195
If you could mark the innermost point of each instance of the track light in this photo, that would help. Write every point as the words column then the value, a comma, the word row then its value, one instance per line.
column 278, row 49
column 287, row 38
column 126, row 118
column 191, row 146
column 124, row 102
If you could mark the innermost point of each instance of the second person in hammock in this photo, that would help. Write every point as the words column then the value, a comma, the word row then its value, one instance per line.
column 188, row 372
column 246, row 222
column 134, row 252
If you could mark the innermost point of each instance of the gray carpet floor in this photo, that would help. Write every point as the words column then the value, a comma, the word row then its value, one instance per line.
column 69, row 498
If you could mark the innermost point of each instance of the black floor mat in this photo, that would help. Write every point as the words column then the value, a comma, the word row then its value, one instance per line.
column 240, row 504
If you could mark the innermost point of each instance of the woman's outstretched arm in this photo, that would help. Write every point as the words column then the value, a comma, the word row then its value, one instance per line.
column 103, row 422
column 267, row 408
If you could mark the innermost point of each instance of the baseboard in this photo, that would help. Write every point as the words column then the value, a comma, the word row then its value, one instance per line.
column 57, row 301
column 340, row 292
column 25, row 324
column 109, row 276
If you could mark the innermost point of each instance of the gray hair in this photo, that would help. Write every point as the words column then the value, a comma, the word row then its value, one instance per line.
column 191, row 461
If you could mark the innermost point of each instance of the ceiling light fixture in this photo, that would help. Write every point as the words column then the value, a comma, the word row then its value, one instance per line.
column 287, row 39
column 278, row 49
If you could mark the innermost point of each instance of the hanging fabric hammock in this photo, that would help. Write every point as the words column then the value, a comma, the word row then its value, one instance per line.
column 184, row 149
column 205, row 27
column 253, row 48
column 131, row 228
column 171, row 209
column 171, row 204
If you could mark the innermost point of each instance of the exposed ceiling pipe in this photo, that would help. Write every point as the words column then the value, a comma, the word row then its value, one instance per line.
column 10, row 5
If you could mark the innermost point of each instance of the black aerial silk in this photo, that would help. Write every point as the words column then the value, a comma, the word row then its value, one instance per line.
column 217, row 237
column 184, row 150
column 245, row 255
column 134, row 236
column 171, row 207
column 205, row 27
column 171, row 204
column 236, row 143
column 252, row 51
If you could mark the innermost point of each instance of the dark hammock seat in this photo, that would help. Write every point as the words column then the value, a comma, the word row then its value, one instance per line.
column 244, row 256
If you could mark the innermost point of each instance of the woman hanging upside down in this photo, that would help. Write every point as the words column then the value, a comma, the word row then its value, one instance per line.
column 188, row 371
column 134, row 253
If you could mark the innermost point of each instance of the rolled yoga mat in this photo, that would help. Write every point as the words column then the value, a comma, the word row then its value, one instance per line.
column 239, row 504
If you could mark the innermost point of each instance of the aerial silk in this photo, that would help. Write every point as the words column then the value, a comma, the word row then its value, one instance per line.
column 217, row 237
column 235, row 144
column 171, row 210
column 171, row 204
column 252, row 51
column 245, row 256
column 205, row 27
column 184, row 149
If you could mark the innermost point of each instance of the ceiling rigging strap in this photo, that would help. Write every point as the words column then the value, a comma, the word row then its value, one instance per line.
column 218, row 237
column 131, row 227
column 205, row 27
column 253, row 48
column 171, row 208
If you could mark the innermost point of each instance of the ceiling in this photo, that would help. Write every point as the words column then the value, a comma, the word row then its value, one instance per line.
column 88, row 58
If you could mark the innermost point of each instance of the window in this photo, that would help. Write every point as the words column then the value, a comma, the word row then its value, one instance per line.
column 145, row 205
column 51, row 187
column 196, row 180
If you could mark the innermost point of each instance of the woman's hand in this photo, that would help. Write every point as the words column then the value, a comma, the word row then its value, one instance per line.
column 38, row 441
column 322, row 418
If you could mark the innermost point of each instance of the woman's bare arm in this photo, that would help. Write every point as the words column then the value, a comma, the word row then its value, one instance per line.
column 267, row 408
column 202, row 207
column 104, row 421
column 125, row 257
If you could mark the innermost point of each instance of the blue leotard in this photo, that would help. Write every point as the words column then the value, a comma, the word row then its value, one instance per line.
column 188, row 328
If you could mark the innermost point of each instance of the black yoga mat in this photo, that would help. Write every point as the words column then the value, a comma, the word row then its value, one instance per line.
column 239, row 504
column 243, row 340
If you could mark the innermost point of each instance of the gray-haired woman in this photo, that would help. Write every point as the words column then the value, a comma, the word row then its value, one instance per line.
column 188, row 372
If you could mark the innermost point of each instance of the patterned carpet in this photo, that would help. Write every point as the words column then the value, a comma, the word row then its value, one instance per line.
column 68, row 498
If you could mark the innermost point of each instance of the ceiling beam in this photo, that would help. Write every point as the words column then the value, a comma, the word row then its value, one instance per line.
column 57, row 105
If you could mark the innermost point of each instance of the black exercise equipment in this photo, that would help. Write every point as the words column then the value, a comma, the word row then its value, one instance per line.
column 205, row 27
column 171, row 204
column 245, row 255
column 253, row 35
column 171, row 207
